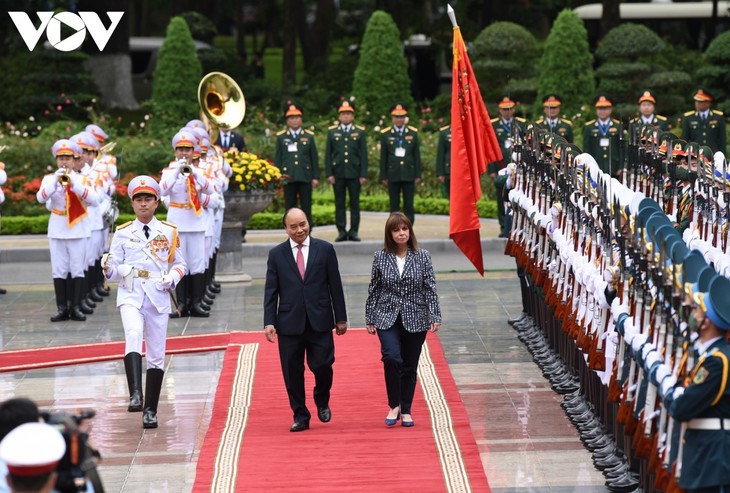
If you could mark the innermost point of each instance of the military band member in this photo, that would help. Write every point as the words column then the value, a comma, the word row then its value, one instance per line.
column 3, row 179
column 346, row 167
column 551, row 121
column 186, row 185
column 601, row 137
column 296, row 157
column 145, row 257
column 507, row 127
column 704, row 125
column 443, row 159
column 400, row 161
column 67, row 194
column 647, row 116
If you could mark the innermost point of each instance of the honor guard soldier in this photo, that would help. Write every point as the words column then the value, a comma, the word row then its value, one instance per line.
column 32, row 452
column 296, row 157
column 346, row 167
column 443, row 159
column 702, row 401
column 185, row 186
column 145, row 258
column 601, row 137
column 400, row 161
column 704, row 125
column 508, row 128
column 647, row 105
column 3, row 179
column 67, row 194
column 551, row 121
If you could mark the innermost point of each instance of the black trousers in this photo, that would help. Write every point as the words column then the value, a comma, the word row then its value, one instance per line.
column 400, row 352
column 299, row 191
column 319, row 349
column 408, row 189
column 350, row 186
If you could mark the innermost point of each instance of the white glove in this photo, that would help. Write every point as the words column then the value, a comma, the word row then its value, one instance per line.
column 630, row 331
column 124, row 270
column 646, row 350
column 661, row 372
column 638, row 341
column 60, row 171
column 667, row 384
column 165, row 283
column 650, row 359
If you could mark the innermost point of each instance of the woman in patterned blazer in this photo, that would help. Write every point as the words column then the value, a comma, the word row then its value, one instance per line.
column 402, row 306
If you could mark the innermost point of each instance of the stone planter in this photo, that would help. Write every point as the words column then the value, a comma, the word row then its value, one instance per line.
column 240, row 207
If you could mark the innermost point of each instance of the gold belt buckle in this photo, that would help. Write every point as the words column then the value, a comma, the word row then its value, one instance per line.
column 143, row 273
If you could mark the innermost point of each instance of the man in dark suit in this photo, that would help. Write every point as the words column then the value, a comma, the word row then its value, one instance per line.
column 228, row 139
column 303, row 299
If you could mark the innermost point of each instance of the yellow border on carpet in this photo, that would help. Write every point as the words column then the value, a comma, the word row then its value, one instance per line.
column 452, row 462
column 225, row 471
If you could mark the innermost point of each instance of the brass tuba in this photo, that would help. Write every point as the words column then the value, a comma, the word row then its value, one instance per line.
column 221, row 102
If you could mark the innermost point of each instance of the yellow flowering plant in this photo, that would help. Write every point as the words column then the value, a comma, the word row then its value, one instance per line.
column 251, row 172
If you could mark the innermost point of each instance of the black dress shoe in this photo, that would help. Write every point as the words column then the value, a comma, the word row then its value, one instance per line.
column 324, row 414
column 3, row 291
column 342, row 237
column 299, row 426
column 354, row 237
column 149, row 419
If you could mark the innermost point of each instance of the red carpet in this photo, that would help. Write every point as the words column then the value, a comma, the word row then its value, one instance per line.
column 248, row 446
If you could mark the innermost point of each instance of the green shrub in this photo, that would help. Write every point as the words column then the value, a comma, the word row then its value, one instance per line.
column 501, row 53
column 201, row 27
column 175, row 84
column 715, row 74
column 381, row 77
column 630, row 41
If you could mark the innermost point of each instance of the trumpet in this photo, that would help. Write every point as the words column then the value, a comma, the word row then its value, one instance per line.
column 64, row 179
column 185, row 169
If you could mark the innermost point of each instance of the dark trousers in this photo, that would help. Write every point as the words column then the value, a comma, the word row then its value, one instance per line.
column 400, row 352
column 319, row 348
column 447, row 188
column 350, row 186
column 300, row 191
column 505, row 224
column 408, row 188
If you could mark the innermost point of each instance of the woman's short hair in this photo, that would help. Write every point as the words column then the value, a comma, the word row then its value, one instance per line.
column 395, row 220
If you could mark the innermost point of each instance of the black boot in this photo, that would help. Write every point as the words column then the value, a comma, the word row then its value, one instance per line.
column 59, row 285
column 77, row 287
column 197, row 285
column 215, row 285
column 152, row 397
column 99, row 277
column 91, row 287
column 133, row 369
column 181, row 294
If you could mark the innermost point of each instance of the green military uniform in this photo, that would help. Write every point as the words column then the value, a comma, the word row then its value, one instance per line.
column 296, row 157
column 443, row 158
column 602, row 142
column 709, row 131
column 647, row 100
column 346, row 159
column 506, row 132
column 400, row 164
column 561, row 127
column 657, row 121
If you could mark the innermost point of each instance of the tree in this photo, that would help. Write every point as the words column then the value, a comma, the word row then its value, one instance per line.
column 176, row 78
column 381, row 76
column 504, row 57
column 566, row 66
column 715, row 74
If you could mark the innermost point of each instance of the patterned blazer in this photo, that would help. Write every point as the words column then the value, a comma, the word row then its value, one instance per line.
column 412, row 295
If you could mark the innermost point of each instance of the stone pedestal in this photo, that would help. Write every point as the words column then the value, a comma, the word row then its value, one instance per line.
column 240, row 206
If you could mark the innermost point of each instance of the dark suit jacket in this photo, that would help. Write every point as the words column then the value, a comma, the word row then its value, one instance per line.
column 412, row 295
column 234, row 140
column 289, row 300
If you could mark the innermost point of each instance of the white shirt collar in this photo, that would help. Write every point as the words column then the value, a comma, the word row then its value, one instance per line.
column 703, row 346
column 293, row 244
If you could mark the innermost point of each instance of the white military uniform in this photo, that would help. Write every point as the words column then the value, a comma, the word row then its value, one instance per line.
column 147, row 270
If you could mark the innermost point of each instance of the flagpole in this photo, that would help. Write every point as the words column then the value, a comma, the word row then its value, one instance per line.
column 452, row 15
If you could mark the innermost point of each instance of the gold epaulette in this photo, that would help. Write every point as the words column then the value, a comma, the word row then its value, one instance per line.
column 309, row 132
column 281, row 132
column 385, row 130
column 634, row 120
column 661, row 118
column 333, row 126
column 166, row 223
column 540, row 120
column 414, row 129
column 520, row 119
column 690, row 113
column 615, row 120
column 717, row 112
column 124, row 225
column 495, row 120
column 445, row 127
column 361, row 127
column 565, row 120
column 590, row 122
